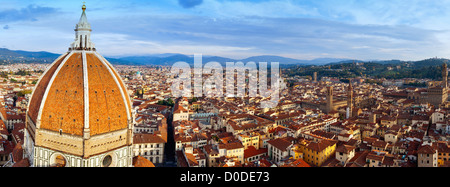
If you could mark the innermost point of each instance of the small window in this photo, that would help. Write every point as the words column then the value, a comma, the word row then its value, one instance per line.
column 107, row 161
column 60, row 161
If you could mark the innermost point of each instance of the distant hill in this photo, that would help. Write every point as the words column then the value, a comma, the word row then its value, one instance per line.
column 268, row 59
column 430, row 62
column 18, row 56
column 38, row 55
column 173, row 58
column 390, row 69
column 9, row 56
column 414, row 64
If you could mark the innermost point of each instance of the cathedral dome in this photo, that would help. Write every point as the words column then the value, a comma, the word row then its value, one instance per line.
column 80, row 108
column 80, row 91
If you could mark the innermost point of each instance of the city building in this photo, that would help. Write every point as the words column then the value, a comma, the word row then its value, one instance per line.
column 149, row 146
column 437, row 92
column 427, row 156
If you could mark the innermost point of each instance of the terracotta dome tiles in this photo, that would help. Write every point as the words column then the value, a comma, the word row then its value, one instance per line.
column 107, row 111
column 121, row 84
column 39, row 91
column 64, row 108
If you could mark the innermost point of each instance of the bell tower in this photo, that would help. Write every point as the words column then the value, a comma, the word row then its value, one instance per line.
column 350, row 100
column 445, row 75
column 330, row 99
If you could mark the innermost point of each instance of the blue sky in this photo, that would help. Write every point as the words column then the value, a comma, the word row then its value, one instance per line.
column 302, row 29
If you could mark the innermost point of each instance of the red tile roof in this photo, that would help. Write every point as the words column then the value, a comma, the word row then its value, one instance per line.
column 140, row 161
column 252, row 151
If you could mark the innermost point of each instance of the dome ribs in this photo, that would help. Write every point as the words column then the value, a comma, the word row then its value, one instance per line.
column 122, row 85
column 79, row 108
column 65, row 110
column 66, row 107
column 107, row 103
column 42, row 85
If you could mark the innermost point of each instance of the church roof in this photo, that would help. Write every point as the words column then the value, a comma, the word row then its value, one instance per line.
column 80, row 91
column 140, row 161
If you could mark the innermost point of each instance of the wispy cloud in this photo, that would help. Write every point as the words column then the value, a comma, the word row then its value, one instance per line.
column 189, row 3
column 275, row 35
column 29, row 13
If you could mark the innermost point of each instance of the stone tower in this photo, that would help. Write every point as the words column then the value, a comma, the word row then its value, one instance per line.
column 350, row 100
column 445, row 75
column 330, row 106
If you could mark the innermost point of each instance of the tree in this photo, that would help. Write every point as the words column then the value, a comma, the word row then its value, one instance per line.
column 24, row 92
column 169, row 102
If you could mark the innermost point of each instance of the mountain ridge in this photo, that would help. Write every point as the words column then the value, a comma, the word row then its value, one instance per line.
column 19, row 56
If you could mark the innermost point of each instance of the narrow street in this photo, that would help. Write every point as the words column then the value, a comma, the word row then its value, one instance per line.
column 169, row 149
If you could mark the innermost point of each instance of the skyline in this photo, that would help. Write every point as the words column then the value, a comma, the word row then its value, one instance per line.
column 237, row 29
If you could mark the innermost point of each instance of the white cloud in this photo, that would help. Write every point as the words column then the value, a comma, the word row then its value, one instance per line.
column 119, row 44
column 271, row 8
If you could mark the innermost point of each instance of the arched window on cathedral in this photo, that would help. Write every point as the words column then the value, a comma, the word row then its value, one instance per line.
column 107, row 161
column 60, row 161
